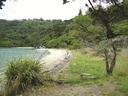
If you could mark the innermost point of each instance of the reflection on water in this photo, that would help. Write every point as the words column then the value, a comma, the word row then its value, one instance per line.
column 7, row 54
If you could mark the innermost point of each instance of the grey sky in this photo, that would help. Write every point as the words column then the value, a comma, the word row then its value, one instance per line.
column 46, row 9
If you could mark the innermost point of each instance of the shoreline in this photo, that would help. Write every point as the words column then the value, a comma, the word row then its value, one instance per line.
column 57, row 60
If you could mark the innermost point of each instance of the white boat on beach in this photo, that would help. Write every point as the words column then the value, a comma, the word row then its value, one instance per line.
column 41, row 48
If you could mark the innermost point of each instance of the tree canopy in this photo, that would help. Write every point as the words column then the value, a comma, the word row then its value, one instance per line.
column 1, row 3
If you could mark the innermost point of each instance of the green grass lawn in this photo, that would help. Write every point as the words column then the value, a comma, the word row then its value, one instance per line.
column 90, row 63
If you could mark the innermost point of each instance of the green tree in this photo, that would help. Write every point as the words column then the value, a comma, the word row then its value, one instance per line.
column 1, row 3
column 107, row 18
column 80, row 12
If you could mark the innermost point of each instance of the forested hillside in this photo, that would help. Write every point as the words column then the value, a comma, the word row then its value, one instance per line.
column 57, row 33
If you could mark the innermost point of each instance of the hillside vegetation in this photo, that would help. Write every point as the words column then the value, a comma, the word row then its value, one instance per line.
column 57, row 33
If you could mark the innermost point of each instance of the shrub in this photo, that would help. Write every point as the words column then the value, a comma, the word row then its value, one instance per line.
column 21, row 74
column 74, row 46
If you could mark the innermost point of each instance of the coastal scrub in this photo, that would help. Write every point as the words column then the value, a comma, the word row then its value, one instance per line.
column 22, row 74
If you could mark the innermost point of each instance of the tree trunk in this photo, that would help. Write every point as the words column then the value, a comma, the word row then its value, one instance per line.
column 106, row 61
column 113, row 62
column 110, row 65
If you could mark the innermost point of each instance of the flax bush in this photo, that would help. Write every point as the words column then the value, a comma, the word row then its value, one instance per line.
column 22, row 74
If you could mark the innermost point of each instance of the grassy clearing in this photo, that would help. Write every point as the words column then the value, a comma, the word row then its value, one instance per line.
column 85, row 63
column 82, row 62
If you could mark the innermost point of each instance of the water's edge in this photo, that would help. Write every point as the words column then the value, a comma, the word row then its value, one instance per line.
column 7, row 54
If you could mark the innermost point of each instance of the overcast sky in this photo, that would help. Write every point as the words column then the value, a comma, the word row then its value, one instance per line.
column 46, row 9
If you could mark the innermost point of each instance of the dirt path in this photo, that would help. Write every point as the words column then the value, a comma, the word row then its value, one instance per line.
column 107, row 89
column 67, row 90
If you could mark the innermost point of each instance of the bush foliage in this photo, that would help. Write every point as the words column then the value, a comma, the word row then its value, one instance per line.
column 21, row 74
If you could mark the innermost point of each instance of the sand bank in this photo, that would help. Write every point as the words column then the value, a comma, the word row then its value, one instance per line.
column 56, row 60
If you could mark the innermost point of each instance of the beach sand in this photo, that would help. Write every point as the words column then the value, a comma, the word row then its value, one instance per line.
column 56, row 60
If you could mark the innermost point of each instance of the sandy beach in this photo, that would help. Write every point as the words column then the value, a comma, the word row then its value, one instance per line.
column 56, row 60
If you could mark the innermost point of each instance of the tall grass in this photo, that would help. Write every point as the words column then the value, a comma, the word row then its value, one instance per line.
column 21, row 74
column 121, row 71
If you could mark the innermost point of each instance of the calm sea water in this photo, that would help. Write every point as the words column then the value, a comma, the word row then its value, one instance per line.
column 7, row 54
